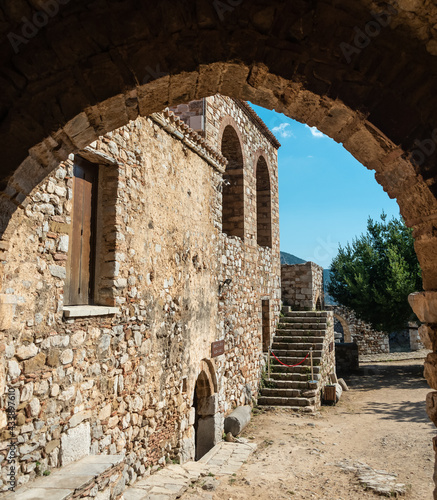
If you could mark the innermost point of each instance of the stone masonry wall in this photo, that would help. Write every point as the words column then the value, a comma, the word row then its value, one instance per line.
column 123, row 383
column 328, row 353
column 369, row 341
column 302, row 286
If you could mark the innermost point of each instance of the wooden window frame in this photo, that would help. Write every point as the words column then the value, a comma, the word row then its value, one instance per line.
column 71, row 298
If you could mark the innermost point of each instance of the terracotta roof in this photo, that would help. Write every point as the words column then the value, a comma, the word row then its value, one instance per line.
column 257, row 120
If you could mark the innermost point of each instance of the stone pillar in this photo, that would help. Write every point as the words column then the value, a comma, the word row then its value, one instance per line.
column 424, row 304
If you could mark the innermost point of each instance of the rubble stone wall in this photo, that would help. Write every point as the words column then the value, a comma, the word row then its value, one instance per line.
column 302, row 286
column 124, row 382
column 369, row 341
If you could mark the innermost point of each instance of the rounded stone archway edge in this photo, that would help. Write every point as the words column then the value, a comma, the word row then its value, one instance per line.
column 76, row 78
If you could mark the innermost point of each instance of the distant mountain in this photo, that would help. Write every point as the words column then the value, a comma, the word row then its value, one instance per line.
column 288, row 258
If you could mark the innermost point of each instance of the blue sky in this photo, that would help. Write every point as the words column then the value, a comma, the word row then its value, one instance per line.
column 325, row 195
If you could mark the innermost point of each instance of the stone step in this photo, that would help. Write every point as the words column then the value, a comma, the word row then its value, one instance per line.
column 282, row 392
column 293, row 377
column 306, row 314
column 300, row 346
column 297, row 336
column 297, row 409
column 74, row 479
column 295, row 353
column 294, row 360
column 301, row 325
column 283, row 401
column 304, row 319
column 303, row 368
column 300, row 385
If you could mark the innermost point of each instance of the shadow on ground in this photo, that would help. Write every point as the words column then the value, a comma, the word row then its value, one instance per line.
column 405, row 411
column 394, row 377
column 388, row 376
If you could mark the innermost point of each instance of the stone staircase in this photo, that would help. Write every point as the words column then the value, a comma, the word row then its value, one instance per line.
column 292, row 387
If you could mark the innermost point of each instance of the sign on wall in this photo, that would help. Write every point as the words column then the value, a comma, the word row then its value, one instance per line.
column 217, row 348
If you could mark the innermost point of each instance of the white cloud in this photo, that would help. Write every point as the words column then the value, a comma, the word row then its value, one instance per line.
column 282, row 130
column 315, row 132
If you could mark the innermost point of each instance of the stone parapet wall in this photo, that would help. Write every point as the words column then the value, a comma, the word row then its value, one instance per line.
column 302, row 286
column 124, row 382
column 328, row 353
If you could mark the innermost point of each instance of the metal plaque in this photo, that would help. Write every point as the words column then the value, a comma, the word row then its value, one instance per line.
column 217, row 348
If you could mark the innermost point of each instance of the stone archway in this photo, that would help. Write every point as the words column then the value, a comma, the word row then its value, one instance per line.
column 345, row 326
column 71, row 78
column 208, row 421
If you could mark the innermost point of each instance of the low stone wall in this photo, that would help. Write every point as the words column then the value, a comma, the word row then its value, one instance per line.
column 302, row 286
column 346, row 358
column 328, row 353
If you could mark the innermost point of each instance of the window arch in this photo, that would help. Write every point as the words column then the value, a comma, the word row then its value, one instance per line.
column 233, row 185
column 263, row 204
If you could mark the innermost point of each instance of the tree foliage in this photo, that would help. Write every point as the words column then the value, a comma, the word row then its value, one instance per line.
column 375, row 274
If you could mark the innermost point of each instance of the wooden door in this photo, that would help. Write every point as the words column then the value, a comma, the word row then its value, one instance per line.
column 80, row 266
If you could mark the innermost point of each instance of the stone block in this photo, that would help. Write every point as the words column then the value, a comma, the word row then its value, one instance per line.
column 105, row 412
column 53, row 358
column 26, row 351
column 35, row 364
column 7, row 310
column 75, row 443
column 78, row 418
column 13, row 369
column 424, row 304
column 426, row 335
column 237, row 420
column 58, row 271
column 208, row 406
column 51, row 445
column 34, row 407
column 188, row 449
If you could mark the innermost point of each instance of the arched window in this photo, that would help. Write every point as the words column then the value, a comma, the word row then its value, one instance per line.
column 263, row 205
column 233, row 186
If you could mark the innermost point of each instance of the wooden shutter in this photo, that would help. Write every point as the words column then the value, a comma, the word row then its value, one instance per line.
column 80, row 265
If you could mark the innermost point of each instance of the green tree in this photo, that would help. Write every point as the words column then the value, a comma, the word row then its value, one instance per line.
column 375, row 274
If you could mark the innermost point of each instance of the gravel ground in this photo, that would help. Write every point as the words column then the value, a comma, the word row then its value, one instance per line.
column 379, row 426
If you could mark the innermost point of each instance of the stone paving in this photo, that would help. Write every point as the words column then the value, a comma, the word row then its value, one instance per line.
column 379, row 481
column 170, row 482
column 395, row 356
column 69, row 480
column 166, row 484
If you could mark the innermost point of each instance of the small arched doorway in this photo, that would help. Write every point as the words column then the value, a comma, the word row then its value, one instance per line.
column 208, row 422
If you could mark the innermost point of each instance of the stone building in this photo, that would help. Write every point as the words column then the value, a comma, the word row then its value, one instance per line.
column 302, row 286
column 120, row 270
